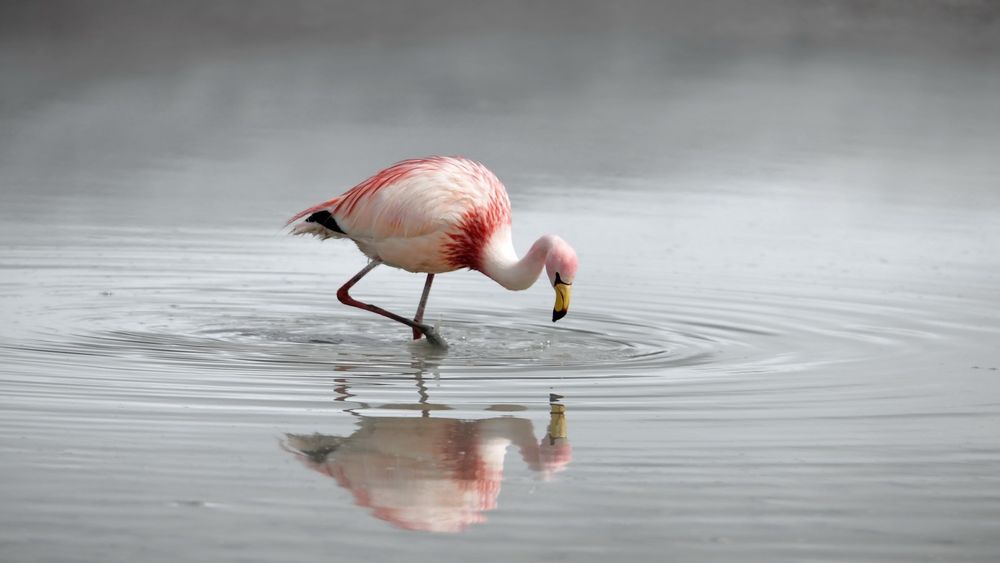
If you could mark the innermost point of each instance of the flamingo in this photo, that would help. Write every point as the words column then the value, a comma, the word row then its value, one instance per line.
column 434, row 215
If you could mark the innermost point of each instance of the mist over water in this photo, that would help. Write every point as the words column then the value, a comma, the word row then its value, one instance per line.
column 783, row 338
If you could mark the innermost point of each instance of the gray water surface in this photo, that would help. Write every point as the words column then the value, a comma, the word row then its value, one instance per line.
column 783, row 343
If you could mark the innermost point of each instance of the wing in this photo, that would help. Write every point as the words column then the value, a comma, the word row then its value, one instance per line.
column 410, row 199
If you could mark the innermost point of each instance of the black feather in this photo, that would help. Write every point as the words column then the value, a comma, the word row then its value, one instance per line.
column 326, row 219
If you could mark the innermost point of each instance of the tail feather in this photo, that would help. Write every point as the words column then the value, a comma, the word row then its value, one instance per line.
column 318, row 221
column 315, row 229
column 325, row 206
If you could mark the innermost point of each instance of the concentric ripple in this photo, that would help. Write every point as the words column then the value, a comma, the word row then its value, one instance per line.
column 197, row 323
column 486, row 341
column 710, row 329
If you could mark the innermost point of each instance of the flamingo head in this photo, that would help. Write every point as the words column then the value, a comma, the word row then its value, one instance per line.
column 560, row 265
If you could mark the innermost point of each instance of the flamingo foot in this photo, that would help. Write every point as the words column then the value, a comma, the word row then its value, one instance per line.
column 432, row 336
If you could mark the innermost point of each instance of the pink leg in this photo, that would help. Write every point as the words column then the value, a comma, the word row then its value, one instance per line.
column 346, row 299
column 419, row 318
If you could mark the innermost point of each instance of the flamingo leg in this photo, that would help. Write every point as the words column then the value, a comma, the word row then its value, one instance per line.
column 344, row 296
column 419, row 318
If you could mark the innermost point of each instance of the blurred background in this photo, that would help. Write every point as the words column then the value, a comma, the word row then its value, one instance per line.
column 261, row 99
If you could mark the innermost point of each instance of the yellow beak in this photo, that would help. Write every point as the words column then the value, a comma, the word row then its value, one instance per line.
column 563, row 291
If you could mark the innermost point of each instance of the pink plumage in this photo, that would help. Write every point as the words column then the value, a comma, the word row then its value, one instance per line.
column 433, row 215
column 430, row 215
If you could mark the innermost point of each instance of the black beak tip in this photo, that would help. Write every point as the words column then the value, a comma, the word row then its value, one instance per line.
column 556, row 315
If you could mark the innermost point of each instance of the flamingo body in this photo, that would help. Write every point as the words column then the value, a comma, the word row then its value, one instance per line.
column 434, row 215
column 430, row 215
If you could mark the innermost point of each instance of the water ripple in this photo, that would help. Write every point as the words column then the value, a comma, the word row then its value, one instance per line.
column 199, row 326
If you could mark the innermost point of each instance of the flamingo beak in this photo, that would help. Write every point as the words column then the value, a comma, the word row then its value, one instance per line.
column 563, row 291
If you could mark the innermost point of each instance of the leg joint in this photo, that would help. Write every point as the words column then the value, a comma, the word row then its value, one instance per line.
column 343, row 296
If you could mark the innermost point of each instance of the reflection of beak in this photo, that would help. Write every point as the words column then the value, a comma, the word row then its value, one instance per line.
column 557, row 421
column 562, row 300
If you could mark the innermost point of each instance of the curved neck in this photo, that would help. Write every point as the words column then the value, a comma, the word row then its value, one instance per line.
column 501, row 263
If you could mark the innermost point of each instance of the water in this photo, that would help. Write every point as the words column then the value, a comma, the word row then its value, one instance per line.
column 782, row 343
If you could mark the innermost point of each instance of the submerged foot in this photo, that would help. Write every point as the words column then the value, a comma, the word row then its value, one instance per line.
column 432, row 336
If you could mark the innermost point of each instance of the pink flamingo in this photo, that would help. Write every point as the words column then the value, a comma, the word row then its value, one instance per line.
column 433, row 215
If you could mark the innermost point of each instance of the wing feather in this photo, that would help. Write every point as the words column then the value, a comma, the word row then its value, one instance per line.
column 448, row 204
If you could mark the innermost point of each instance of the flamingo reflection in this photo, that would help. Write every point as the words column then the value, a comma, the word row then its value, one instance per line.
column 432, row 474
